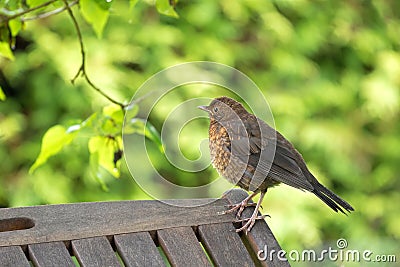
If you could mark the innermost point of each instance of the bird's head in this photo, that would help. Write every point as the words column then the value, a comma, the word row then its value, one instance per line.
column 224, row 109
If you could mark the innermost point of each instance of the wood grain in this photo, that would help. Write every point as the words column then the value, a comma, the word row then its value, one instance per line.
column 182, row 247
column 50, row 254
column 138, row 249
column 83, row 220
column 43, row 229
column 13, row 256
column 94, row 252
column 224, row 245
column 260, row 237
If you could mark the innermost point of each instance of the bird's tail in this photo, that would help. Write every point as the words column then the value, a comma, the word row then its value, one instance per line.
column 331, row 199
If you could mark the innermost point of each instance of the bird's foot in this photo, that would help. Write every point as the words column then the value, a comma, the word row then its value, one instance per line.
column 250, row 222
column 239, row 207
column 255, row 216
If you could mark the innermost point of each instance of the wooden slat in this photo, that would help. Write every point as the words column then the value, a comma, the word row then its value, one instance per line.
column 260, row 236
column 182, row 247
column 94, row 252
column 83, row 220
column 224, row 245
column 50, row 254
column 13, row 256
column 138, row 249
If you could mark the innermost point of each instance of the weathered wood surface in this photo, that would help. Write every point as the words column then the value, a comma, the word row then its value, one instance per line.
column 95, row 252
column 182, row 247
column 13, row 256
column 260, row 237
column 138, row 249
column 50, row 254
column 224, row 245
column 82, row 220
column 127, row 233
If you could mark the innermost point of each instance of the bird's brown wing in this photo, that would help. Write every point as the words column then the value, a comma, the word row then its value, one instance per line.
column 284, row 169
column 257, row 150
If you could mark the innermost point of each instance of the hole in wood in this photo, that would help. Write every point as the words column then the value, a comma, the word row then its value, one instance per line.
column 14, row 224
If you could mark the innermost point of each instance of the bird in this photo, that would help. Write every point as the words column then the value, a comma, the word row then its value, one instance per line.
column 251, row 154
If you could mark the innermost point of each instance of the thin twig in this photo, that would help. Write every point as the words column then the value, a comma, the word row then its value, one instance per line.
column 26, row 11
column 82, row 68
column 139, row 99
column 50, row 13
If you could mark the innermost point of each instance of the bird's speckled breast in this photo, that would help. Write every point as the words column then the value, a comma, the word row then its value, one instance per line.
column 228, row 165
column 223, row 161
column 219, row 145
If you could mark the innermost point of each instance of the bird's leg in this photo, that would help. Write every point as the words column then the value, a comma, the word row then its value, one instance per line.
column 250, row 221
column 240, row 206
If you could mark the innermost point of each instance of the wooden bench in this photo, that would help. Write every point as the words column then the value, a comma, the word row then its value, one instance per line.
column 132, row 233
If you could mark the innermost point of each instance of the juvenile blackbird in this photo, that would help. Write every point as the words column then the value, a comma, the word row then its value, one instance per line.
column 251, row 154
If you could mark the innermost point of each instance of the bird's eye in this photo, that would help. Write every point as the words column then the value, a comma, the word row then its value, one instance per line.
column 215, row 109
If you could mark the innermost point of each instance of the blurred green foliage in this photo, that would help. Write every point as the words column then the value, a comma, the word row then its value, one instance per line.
column 330, row 71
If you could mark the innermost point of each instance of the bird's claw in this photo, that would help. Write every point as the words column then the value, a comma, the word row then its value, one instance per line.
column 250, row 223
column 259, row 217
column 247, row 205
column 239, row 207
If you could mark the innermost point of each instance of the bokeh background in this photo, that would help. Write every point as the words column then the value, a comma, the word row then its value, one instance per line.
column 330, row 71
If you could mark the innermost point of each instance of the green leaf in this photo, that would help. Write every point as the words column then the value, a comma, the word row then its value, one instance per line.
column 108, row 122
column 104, row 4
column 132, row 4
column 97, row 171
column 74, row 128
column 8, row 7
column 131, row 111
column 95, row 13
column 5, row 51
column 113, row 119
column 15, row 26
column 152, row 133
column 53, row 141
column 102, row 149
column 2, row 95
column 33, row 3
column 115, row 112
column 5, row 33
column 145, row 128
column 90, row 121
column 164, row 7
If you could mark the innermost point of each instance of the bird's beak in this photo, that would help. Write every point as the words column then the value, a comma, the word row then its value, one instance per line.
column 205, row 108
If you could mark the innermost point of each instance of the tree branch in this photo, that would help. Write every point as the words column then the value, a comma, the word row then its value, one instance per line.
column 50, row 13
column 82, row 68
column 26, row 11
